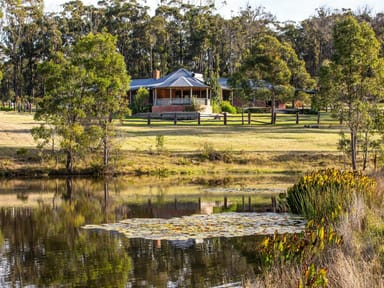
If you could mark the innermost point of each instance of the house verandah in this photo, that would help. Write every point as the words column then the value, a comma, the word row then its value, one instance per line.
column 179, row 91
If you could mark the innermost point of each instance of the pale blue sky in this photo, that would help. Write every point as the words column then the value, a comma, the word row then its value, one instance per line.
column 295, row 10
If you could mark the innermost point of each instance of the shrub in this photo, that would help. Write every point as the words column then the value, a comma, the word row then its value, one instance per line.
column 227, row 107
column 140, row 101
column 3, row 108
column 22, row 151
column 319, row 194
column 215, row 107
column 160, row 140
column 210, row 153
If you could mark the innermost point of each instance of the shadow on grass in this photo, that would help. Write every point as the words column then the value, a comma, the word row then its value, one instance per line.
column 188, row 130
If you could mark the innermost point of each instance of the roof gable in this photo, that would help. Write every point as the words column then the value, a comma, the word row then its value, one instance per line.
column 181, row 78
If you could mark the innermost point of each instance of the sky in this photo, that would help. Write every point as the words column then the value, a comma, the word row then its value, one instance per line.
column 284, row 10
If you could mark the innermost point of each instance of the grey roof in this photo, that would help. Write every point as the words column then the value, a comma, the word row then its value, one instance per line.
column 181, row 78
column 223, row 82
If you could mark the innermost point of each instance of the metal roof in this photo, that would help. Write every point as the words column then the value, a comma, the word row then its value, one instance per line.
column 181, row 78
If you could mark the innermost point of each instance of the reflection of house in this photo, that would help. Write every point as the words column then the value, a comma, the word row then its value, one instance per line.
column 176, row 92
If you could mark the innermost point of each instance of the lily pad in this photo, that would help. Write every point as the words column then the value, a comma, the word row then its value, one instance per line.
column 206, row 226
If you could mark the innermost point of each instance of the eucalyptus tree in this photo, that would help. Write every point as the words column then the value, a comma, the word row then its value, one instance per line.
column 128, row 21
column 159, row 41
column 22, row 44
column 274, row 68
column 378, row 27
column 312, row 38
column 243, row 30
column 84, row 90
column 77, row 20
column 106, row 81
column 63, row 109
column 356, row 72
column 173, row 13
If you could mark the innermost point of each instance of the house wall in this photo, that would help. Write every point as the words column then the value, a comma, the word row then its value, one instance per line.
column 168, row 108
column 179, row 108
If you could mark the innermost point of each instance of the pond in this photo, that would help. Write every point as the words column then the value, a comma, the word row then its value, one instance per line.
column 45, row 240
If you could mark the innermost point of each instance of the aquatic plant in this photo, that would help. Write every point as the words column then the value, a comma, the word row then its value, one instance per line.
column 321, row 193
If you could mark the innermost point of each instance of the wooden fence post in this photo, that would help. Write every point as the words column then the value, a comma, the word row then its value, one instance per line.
column 149, row 119
column 249, row 117
column 242, row 116
column 175, row 119
column 297, row 117
column 198, row 118
column 318, row 118
column 225, row 118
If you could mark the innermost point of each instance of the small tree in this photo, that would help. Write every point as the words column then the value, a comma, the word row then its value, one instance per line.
column 63, row 108
column 84, row 90
column 106, row 82
column 355, row 78
column 274, row 67
column 140, row 101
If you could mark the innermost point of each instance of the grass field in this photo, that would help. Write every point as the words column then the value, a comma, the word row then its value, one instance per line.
column 255, row 148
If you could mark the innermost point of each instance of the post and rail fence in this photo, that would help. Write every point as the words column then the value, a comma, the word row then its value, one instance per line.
column 226, row 119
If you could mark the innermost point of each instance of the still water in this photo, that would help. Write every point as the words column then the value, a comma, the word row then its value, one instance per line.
column 43, row 243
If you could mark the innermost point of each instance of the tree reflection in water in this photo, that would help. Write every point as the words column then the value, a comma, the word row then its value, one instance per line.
column 45, row 246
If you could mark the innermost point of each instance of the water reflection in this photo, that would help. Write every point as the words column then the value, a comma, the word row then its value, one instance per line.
column 43, row 245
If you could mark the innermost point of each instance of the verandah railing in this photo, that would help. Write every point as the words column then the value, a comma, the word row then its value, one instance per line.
column 181, row 101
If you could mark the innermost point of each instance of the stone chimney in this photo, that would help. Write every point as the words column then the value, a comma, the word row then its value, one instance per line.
column 156, row 74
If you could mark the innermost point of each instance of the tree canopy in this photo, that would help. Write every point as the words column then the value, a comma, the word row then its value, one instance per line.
column 354, row 78
column 84, row 90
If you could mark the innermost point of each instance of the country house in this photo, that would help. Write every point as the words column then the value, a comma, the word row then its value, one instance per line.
column 179, row 91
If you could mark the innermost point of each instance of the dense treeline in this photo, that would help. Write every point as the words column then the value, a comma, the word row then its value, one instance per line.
column 68, row 62
column 177, row 35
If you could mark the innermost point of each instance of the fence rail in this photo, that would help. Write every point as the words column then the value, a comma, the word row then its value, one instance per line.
column 196, row 118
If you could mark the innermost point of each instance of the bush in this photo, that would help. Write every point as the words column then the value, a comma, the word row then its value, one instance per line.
column 227, row 107
column 140, row 101
column 319, row 194
column 160, row 143
column 215, row 107
column 210, row 153
column 258, row 109
column 7, row 109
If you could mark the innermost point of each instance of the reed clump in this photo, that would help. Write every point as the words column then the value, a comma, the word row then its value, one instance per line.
column 342, row 245
column 319, row 194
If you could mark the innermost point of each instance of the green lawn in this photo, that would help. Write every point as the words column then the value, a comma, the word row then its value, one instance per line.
column 188, row 136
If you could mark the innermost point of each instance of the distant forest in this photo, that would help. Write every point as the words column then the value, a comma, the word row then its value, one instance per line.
column 178, row 35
